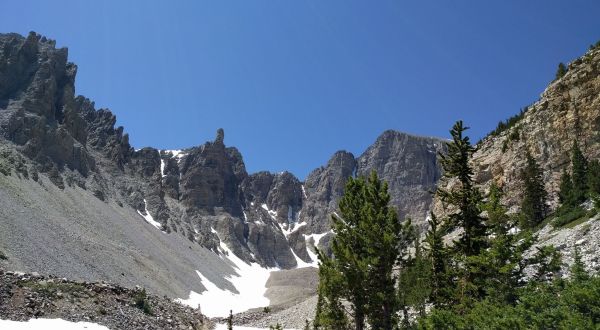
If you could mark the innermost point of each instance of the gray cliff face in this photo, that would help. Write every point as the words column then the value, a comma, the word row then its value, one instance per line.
column 409, row 164
column 202, row 193
column 323, row 188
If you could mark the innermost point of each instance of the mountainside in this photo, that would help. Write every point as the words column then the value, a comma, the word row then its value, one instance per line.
column 567, row 111
column 79, row 201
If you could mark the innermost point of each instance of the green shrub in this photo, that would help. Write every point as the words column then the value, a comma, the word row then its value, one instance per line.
column 141, row 301
column 561, row 70
column 568, row 216
column 266, row 309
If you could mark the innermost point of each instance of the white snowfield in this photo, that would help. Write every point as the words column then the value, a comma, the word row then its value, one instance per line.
column 50, row 324
column 249, row 281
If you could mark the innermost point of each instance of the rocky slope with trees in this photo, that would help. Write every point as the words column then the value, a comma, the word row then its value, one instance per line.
column 568, row 111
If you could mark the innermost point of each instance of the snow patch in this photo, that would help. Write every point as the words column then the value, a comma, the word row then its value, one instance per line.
column 317, row 237
column 272, row 213
column 162, row 168
column 148, row 217
column 303, row 264
column 304, row 192
column 178, row 154
column 50, row 324
column 249, row 281
column 287, row 232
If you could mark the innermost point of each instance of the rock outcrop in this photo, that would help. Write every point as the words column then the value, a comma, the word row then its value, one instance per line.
column 567, row 111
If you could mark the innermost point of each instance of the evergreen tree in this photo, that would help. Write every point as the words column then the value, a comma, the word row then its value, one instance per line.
column 565, row 193
column 466, row 197
column 368, row 244
column 579, row 174
column 533, row 205
column 548, row 261
column 594, row 177
column 437, row 256
column 414, row 286
column 496, row 212
column 561, row 70
column 504, row 258
column 578, row 273
column 330, row 313
column 465, row 200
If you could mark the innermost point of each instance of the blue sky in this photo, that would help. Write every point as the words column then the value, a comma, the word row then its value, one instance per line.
column 291, row 82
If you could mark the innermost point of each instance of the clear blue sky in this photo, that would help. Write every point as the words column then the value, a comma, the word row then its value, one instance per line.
column 291, row 82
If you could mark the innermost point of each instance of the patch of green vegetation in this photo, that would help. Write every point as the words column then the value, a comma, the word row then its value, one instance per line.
column 595, row 46
column 267, row 310
column 573, row 217
column 141, row 301
column 561, row 70
column 509, row 123
column 52, row 288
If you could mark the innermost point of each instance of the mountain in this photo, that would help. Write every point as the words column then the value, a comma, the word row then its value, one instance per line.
column 568, row 110
column 78, row 201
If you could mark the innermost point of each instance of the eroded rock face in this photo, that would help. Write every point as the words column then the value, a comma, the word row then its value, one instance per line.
column 211, row 176
column 323, row 188
column 37, row 108
column 409, row 164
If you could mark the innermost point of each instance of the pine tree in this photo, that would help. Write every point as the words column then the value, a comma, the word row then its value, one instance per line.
column 561, row 70
column 578, row 273
column 504, row 258
column 466, row 197
column 496, row 212
column 465, row 200
column 330, row 313
column 565, row 193
column 594, row 177
column 437, row 256
column 533, row 205
column 547, row 261
column 368, row 244
column 414, row 286
column 579, row 174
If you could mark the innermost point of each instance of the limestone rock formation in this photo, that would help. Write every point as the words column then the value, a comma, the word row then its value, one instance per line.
column 568, row 110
